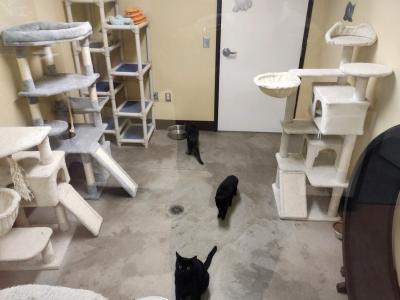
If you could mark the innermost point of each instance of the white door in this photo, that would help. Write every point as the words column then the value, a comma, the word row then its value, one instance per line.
column 267, row 37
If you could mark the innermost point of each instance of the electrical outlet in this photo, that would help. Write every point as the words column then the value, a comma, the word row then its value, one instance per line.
column 156, row 96
column 168, row 96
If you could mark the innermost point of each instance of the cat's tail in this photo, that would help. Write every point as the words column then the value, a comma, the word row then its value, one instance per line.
column 197, row 155
column 223, row 215
column 210, row 256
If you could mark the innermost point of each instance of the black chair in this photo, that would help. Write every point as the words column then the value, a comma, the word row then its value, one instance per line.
column 370, row 202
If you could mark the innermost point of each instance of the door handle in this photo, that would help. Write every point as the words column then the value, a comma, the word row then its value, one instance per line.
column 227, row 52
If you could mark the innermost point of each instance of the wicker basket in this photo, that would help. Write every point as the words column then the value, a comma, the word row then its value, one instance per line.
column 9, row 203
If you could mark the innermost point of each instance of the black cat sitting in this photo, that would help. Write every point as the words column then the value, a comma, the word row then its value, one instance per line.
column 191, row 276
column 225, row 192
column 193, row 142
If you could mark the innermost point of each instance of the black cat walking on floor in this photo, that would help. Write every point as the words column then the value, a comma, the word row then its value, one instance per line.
column 193, row 142
column 191, row 276
column 225, row 193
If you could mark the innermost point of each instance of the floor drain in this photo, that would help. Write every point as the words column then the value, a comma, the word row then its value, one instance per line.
column 176, row 209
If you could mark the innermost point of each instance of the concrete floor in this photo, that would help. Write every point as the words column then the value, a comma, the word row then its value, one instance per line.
column 258, row 257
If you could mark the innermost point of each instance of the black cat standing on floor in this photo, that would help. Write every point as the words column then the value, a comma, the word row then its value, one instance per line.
column 191, row 276
column 225, row 192
column 193, row 142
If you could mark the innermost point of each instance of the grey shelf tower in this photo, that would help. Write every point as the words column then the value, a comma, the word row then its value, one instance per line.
column 133, row 120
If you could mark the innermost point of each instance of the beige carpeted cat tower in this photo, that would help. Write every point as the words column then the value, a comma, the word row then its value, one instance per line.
column 338, row 112
column 40, row 179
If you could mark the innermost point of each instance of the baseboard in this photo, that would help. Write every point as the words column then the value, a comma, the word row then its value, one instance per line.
column 202, row 125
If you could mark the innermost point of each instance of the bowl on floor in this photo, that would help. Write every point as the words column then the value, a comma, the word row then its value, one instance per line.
column 177, row 132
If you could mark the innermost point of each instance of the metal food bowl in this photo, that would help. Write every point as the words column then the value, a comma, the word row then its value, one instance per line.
column 177, row 132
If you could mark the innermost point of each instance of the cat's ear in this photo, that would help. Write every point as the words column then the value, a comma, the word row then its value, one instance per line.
column 194, row 257
column 177, row 255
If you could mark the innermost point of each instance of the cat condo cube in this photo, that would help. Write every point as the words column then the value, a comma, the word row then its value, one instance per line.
column 338, row 113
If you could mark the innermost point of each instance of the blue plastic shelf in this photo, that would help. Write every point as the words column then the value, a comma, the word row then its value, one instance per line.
column 134, row 133
column 129, row 68
column 104, row 87
column 110, row 123
column 133, row 107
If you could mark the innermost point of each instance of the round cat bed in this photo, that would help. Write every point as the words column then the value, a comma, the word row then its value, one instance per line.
column 43, row 33
column 46, row 292
column 359, row 35
column 278, row 85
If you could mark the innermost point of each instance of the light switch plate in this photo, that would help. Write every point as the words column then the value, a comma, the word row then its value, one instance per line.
column 168, row 96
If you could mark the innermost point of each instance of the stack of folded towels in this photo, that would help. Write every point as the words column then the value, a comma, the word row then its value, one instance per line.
column 136, row 14
column 119, row 20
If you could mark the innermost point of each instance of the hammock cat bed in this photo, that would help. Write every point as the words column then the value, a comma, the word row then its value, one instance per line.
column 44, row 33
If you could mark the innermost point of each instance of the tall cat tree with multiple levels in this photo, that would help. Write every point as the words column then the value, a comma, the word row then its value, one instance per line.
column 86, row 140
column 338, row 112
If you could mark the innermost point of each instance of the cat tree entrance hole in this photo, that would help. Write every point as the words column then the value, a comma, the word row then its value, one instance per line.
column 68, row 135
column 176, row 209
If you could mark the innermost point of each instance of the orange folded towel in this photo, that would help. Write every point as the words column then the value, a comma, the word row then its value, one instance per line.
column 136, row 14
column 133, row 10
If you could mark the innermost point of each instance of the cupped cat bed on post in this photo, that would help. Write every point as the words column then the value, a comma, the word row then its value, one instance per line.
column 279, row 85
column 343, row 34
column 350, row 36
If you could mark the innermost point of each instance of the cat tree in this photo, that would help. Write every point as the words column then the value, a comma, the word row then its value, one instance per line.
column 44, row 175
column 338, row 112
column 85, row 140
